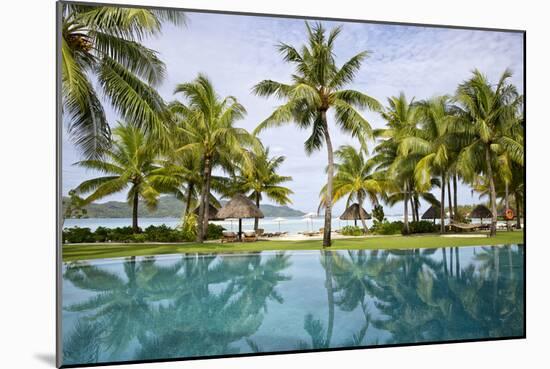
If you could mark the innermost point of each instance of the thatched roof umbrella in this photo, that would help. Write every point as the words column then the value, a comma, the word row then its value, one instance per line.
column 434, row 212
column 240, row 207
column 481, row 211
column 212, row 212
column 355, row 212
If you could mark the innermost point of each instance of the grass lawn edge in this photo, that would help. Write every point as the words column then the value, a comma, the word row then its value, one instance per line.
column 90, row 251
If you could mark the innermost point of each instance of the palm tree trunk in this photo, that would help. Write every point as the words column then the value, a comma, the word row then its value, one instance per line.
column 455, row 190
column 365, row 228
column 451, row 210
column 406, row 211
column 190, row 188
column 135, row 227
column 256, row 220
column 207, row 200
column 203, row 201
column 412, row 209
column 416, row 208
column 442, row 210
column 492, row 192
column 518, row 208
column 330, row 175
column 506, row 205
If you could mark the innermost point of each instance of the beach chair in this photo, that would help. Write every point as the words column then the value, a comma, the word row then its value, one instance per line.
column 250, row 236
column 229, row 237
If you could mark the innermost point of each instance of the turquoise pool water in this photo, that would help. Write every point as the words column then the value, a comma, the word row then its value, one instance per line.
column 181, row 306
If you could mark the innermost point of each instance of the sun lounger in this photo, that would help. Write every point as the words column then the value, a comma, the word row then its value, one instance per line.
column 250, row 236
column 229, row 237
column 311, row 234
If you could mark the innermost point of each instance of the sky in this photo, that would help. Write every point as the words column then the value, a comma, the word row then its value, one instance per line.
column 236, row 52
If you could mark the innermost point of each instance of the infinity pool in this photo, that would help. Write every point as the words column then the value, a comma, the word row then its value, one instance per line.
column 181, row 306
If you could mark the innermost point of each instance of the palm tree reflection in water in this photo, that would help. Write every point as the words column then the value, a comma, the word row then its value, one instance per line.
column 204, row 305
column 195, row 307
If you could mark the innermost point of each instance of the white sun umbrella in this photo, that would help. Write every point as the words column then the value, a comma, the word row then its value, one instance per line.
column 309, row 217
column 279, row 220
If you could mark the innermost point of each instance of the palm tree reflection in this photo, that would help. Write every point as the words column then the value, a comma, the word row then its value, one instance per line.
column 203, row 305
column 197, row 306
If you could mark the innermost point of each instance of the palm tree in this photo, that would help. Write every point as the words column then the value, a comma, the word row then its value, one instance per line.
column 354, row 179
column 185, row 167
column 401, row 118
column 208, row 122
column 487, row 115
column 316, row 86
column 506, row 184
column 431, row 143
column 129, row 162
column 259, row 176
column 103, row 44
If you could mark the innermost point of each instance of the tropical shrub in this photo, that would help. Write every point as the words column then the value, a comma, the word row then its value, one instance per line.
column 120, row 234
column 77, row 235
column 422, row 226
column 461, row 217
column 214, row 231
column 386, row 228
column 152, row 233
column 162, row 233
column 352, row 231
column 189, row 227
column 138, row 238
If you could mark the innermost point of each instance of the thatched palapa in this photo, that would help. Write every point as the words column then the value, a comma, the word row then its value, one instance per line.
column 434, row 212
column 240, row 207
column 212, row 212
column 481, row 211
column 355, row 212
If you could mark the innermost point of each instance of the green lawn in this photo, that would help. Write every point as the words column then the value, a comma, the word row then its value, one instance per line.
column 73, row 252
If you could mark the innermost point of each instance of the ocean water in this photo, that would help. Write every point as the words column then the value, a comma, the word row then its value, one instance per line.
column 292, row 225
column 190, row 305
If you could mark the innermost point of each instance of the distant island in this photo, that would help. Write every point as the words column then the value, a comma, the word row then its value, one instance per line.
column 168, row 207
